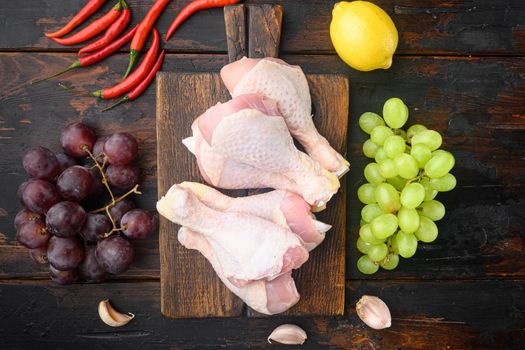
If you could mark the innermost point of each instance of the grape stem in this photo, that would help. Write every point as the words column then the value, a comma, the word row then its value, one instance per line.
column 114, row 201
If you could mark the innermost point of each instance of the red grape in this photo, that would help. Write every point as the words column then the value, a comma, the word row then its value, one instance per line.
column 74, row 183
column 41, row 163
column 121, row 208
column 95, row 227
column 123, row 176
column 65, row 253
column 20, row 191
column 32, row 234
column 65, row 219
column 25, row 215
column 115, row 254
column 97, row 187
column 121, row 148
column 90, row 269
column 39, row 255
column 65, row 161
column 40, row 195
column 139, row 224
column 75, row 137
column 98, row 148
column 63, row 276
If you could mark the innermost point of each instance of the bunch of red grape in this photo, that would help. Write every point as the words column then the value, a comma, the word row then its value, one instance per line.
column 55, row 223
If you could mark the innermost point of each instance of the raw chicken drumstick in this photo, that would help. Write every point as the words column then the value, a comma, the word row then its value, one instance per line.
column 287, row 85
column 281, row 207
column 247, row 247
column 245, row 143
column 267, row 297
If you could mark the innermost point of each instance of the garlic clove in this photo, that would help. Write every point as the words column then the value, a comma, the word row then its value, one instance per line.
column 288, row 334
column 111, row 317
column 374, row 312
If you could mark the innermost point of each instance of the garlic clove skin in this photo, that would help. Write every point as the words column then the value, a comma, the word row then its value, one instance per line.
column 374, row 312
column 288, row 334
column 111, row 317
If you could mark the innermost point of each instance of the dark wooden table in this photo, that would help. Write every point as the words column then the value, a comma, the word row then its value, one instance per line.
column 460, row 66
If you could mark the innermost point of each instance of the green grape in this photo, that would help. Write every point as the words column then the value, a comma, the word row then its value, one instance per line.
column 369, row 120
column 395, row 113
column 372, row 174
column 412, row 195
column 442, row 184
column 387, row 168
column 421, row 154
column 380, row 134
column 365, row 233
column 430, row 138
column 392, row 242
column 384, row 226
column 408, row 220
column 406, row 244
column 394, row 145
column 438, row 151
column 430, row 192
column 370, row 148
column 378, row 252
column 439, row 165
column 434, row 210
column 414, row 129
column 366, row 194
column 387, row 198
column 380, row 155
column 366, row 265
column 398, row 182
column 363, row 246
column 370, row 212
column 427, row 231
column 406, row 166
column 362, row 222
column 402, row 133
column 390, row 262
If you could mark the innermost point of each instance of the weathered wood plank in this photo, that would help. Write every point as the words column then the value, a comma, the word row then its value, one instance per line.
column 476, row 103
column 264, row 35
column 425, row 26
column 447, row 315
column 190, row 288
column 236, row 36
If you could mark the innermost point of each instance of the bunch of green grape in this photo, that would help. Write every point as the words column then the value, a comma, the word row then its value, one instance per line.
column 408, row 172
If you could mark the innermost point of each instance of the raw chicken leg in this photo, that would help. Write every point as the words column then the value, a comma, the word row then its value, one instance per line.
column 267, row 297
column 282, row 207
column 287, row 85
column 241, row 144
column 247, row 247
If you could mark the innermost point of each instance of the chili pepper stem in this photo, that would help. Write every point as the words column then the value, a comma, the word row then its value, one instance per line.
column 122, row 100
column 74, row 65
column 132, row 58
column 77, row 92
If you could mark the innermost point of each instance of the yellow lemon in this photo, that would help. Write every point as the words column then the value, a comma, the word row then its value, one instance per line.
column 363, row 35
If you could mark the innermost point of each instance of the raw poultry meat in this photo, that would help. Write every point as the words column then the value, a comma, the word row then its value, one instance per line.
column 287, row 85
column 247, row 247
column 281, row 207
column 245, row 143
column 267, row 297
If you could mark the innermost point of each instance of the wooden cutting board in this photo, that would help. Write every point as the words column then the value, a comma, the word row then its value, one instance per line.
column 189, row 286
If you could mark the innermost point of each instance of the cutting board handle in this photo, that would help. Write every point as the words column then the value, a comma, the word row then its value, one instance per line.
column 253, row 30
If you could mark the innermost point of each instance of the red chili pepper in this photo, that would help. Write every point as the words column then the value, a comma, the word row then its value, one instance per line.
column 94, row 28
column 139, row 89
column 137, row 76
column 90, row 8
column 97, row 56
column 142, row 33
column 193, row 7
column 113, row 31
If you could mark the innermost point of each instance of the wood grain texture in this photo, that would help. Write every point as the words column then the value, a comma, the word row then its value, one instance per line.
column 184, row 276
column 236, row 35
column 476, row 103
column 458, row 27
column 190, row 287
column 474, row 315
column 264, row 30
